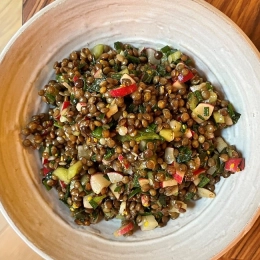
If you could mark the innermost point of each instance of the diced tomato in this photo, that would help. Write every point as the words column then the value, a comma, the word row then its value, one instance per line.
column 185, row 78
column 235, row 164
column 199, row 171
column 123, row 91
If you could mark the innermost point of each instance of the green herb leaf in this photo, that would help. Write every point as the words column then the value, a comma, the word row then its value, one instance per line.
column 80, row 214
column 94, row 216
column 148, row 75
column 109, row 153
column 189, row 195
column 162, row 200
column 203, row 181
column 95, row 201
column 184, row 154
column 233, row 114
column 118, row 189
column 132, row 59
column 118, row 46
column 206, row 111
column 219, row 167
column 201, row 117
column 135, row 181
column 130, row 108
column 116, row 76
column 45, row 180
column 93, row 158
column 151, row 128
column 134, row 192
column 141, row 109
column 97, row 133
column 73, row 100
column 60, row 78
column 209, row 86
column 57, row 124
column 50, row 98
column 198, row 95
column 183, row 128
column 161, row 70
column 95, row 86
column 166, row 49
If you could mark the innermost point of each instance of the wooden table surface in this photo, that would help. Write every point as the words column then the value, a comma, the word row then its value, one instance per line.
column 246, row 14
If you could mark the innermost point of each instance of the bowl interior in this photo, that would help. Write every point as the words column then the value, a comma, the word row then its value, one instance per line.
column 226, row 58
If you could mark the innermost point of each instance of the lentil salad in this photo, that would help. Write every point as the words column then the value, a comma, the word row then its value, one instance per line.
column 131, row 134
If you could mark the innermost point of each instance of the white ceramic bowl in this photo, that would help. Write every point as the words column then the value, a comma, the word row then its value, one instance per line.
column 219, row 48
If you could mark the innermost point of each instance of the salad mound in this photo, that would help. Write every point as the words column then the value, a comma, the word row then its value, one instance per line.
column 132, row 134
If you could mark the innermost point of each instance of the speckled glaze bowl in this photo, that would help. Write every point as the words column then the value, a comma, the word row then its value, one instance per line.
column 226, row 57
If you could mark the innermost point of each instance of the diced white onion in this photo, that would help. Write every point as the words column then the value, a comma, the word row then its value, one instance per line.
column 122, row 130
column 169, row 155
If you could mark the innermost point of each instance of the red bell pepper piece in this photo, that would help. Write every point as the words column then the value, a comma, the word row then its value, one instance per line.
column 235, row 164
column 64, row 105
column 46, row 170
column 123, row 161
column 178, row 176
column 75, row 78
column 185, row 78
column 63, row 184
column 124, row 229
column 199, row 171
column 123, row 91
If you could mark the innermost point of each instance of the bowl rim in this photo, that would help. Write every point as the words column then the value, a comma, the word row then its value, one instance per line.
column 53, row 5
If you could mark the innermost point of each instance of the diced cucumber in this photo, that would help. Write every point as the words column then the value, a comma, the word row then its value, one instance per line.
column 167, row 134
column 220, row 144
column 198, row 87
column 62, row 174
column 124, row 71
column 219, row 119
column 67, row 174
column 148, row 223
column 98, row 50
column 174, row 56
column 74, row 169
column 175, row 126
column 192, row 101
column 213, row 97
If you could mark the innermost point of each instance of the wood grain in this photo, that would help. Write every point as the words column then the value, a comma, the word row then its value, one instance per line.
column 246, row 14
column 30, row 7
